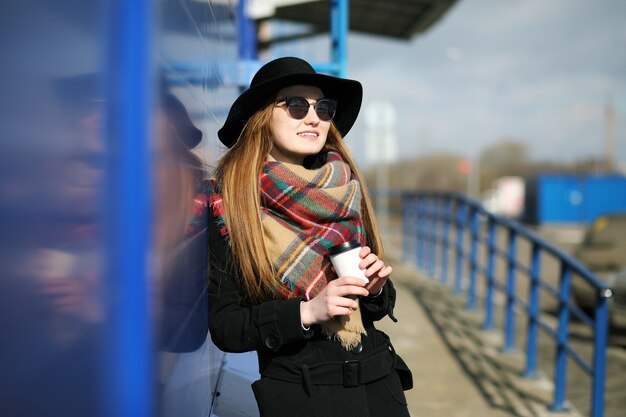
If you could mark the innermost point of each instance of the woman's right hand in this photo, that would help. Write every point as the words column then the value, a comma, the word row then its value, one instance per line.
column 338, row 298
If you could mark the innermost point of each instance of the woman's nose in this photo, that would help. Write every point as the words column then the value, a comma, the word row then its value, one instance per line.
column 311, row 116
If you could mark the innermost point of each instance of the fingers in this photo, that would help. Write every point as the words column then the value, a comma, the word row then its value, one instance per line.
column 385, row 272
column 339, row 311
column 345, row 302
column 373, row 265
column 340, row 306
column 346, row 286
column 368, row 260
column 373, row 270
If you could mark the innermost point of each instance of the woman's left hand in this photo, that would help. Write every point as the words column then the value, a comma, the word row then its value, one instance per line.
column 375, row 270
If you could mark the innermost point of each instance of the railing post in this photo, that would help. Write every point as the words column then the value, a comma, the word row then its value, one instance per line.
column 445, row 240
column 460, row 225
column 560, row 372
column 432, row 253
column 599, row 353
column 473, row 261
column 489, row 290
column 419, row 241
column 407, row 227
column 533, row 312
column 511, row 290
column 423, row 231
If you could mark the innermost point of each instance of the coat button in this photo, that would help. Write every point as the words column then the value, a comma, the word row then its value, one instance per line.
column 271, row 341
column 357, row 349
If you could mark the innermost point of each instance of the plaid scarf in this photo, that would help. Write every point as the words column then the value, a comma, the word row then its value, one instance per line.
column 304, row 212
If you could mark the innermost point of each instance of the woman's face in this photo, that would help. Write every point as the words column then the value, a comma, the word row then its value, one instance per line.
column 295, row 139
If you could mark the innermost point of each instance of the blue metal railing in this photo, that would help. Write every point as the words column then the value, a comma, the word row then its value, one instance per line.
column 429, row 219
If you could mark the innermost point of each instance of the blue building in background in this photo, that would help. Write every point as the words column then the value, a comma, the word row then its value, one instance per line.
column 573, row 199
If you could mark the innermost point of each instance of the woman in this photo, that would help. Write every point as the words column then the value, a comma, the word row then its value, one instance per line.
column 284, row 193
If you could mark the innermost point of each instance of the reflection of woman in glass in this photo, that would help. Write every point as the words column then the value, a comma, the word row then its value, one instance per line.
column 180, row 221
column 285, row 192
column 179, row 172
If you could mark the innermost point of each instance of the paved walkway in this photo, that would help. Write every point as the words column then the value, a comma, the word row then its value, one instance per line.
column 457, row 368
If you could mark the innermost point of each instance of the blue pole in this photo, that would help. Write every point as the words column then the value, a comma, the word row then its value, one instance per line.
column 427, row 235
column 247, row 38
column 533, row 312
column 509, row 324
column 446, row 241
column 414, row 229
column 424, row 229
column 560, row 372
column 599, row 353
column 432, row 241
column 489, row 290
column 130, row 71
column 410, row 229
column 339, row 35
column 247, row 33
column 419, row 237
column 438, row 237
column 471, row 288
column 423, row 232
column 460, row 225
column 406, row 228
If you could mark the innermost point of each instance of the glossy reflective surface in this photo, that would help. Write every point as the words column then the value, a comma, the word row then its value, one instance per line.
column 57, row 161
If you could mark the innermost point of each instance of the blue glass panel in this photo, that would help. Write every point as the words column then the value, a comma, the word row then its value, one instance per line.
column 196, row 50
column 60, row 123
column 51, row 190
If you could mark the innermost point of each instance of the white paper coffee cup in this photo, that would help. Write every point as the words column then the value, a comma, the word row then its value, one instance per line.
column 345, row 258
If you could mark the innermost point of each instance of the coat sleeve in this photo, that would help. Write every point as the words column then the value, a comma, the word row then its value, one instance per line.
column 236, row 326
column 381, row 305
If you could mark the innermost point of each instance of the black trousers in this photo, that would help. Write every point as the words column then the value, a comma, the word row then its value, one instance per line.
column 381, row 398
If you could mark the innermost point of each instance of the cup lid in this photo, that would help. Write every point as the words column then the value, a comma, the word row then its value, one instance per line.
column 344, row 247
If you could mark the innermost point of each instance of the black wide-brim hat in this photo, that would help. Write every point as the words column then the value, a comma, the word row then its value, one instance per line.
column 285, row 72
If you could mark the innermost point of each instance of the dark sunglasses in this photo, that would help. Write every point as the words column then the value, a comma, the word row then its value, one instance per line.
column 298, row 107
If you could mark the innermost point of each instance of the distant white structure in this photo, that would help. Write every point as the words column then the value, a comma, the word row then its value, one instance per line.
column 381, row 149
column 506, row 197
column 381, row 123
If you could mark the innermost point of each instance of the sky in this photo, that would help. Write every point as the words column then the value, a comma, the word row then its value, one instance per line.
column 537, row 71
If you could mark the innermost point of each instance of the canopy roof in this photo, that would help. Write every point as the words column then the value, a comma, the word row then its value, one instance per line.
column 400, row 19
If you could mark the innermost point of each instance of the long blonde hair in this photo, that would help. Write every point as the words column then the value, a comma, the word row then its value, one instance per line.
column 239, row 171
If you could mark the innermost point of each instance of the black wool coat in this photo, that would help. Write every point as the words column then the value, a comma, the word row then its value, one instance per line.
column 303, row 373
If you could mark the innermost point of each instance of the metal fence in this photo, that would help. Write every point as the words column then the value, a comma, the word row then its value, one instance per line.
column 450, row 235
